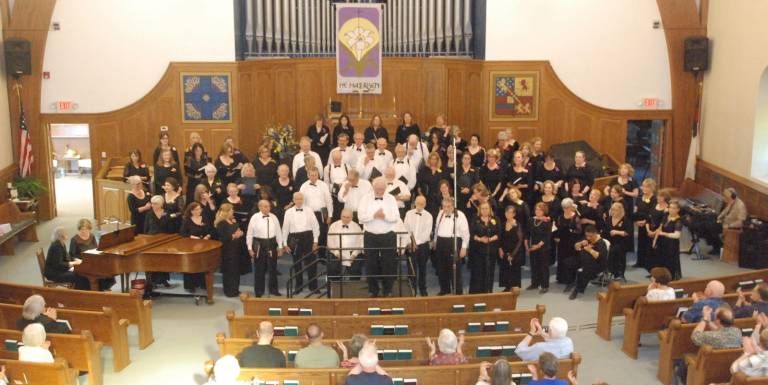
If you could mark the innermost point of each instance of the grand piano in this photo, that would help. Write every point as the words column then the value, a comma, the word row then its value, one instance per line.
column 121, row 251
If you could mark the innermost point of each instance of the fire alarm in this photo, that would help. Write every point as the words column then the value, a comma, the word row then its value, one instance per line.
column 46, row 75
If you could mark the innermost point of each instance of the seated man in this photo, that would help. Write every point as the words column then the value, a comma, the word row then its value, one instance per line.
column 345, row 260
column 732, row 216
column 593, row 254
column 316, row 355
column 712, row 297
column 754, row 361
column 555, row 341
column 721, row 334
column 368, row 372
column 262, row 354
column 34, row 311
column 549, row 367
column 756, row 303
column 449, row 349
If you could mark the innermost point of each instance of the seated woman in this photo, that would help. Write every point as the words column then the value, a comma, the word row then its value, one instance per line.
column 658, row 289
column 350, row 356
column 500, row 373
column 225, row 372
column 754, row 361
column 59, row 267
column 83, row 241
column 34, row 311
column 449, row 349
column 35, row 347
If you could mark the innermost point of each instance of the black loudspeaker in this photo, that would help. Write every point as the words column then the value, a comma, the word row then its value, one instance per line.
column 696, row 54
column 18, row 59
column 335, row 107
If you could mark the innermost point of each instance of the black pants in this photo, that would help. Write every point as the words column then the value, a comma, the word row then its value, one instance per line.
column 643, row 248
column 80, row 282
column 481, row 272
column 587, row 272
column 419, row 260
column 322, row 240
column 194, row 281
column 617, row 258
column 230, row 267
column 510, row 274
column 265, row 262
column 337, row 207
column 380, row 259
column 540, row 268
column 301, row 245
column 711, row 231
column 444, row 258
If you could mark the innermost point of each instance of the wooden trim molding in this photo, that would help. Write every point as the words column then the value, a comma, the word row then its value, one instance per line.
column 7, row 174
column 754, row 194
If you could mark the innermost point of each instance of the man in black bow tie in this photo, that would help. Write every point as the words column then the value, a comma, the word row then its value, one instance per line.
column 378, row 214
column 345, row 234
column 301, row 232
column 265, row 244
column 450, row 220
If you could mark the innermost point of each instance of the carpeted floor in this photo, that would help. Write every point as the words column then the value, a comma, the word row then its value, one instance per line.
column 185, row 333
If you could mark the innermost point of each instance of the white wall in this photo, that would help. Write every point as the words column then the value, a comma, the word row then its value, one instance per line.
column 739, row 36
column 110, row 53
column 605, row 51
column 6, row 141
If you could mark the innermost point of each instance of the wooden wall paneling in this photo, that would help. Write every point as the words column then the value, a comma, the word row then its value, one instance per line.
column 754, row 194
column 474, row 101
column 285, row 97
column 525, row 134
column 417, row 89
column 309, row 94
column 613, row 133
column 554, row 121
column 456, row 101
column 7, row 174
column 218, row 135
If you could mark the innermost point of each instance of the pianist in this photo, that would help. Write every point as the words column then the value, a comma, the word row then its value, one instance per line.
column 732, row 216
column 59, row 266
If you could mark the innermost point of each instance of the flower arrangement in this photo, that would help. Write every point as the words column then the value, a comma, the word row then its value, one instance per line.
column 281, row 139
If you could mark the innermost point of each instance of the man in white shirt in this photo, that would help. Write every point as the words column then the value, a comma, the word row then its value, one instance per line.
column 398, row 189
column 317, row 197
column 335, row 174
column 419, row 224
column 447, row 219
column 301, row 232
column 383, row 156
column 350, row 240
column 356, row 149
column 305, row 145
column 353, row 190
column 417, row 151
column 344, row 149
column 265, row 244
column 366, row 164
column 378, row 214
column 404, row 170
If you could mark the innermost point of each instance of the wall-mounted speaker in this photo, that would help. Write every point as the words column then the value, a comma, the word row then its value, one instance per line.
column 696, row 54
column 18, row 58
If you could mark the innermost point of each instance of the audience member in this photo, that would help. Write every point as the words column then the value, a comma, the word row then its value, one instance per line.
column 225, row 372
column 711, row 297
column 350, row 356
column 35, row 348
column 316, row 355
column 501, row 374
column 555, row 340
column 548, row 366
column 721, row 334
column 658, row 289
column 34, row 311
column 756, row 303
column 754, row 361
column 448, row 350
column 262, row 354
column 368, row 372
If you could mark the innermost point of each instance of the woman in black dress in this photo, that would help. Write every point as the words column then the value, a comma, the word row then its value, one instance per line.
column 656, row 217
column 537, row 152
column 320, row 135
column 574, row 192
column 173, row 204
column 206, row 201
column 645, row 203
column 407, row 128
column 436, row 146
column 194, row 168
column 582, row 171
column 476, row 151
column 492, row 175
column 522, row 211
column 226, row 166
column 460, row 144
column 344, row 127
column 428, row 182
column 232, row 240
column 138, row 203
column 164, row 145
column 567, row 234
column 242, row 216
column 441, row 130
column 376, row 130
column 518, row 176
column 85, row 240
column 137, row 167
column 511, row 251
column 283, row 189
column 466, row 178
column 549, row 170
column 615, row 195
column 629, row 193
column 549, row 197
column 248, row 185
column 213, row 183
column 617, row 232
column 484, row 247
column 668, row 240
column 166, row 167
column 59, row 266
column 195, row 226
column 194, row 138
column 592, row 212
column 538, row 245
column 265, row 167
column 157, row 221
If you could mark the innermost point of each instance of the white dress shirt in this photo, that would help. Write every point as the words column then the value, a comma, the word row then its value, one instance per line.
column 419, row 224
column 317, row 196
column 335, row 242
column 355, row 153
column 444, row 227
column 369, row 205
column 299, row 220
column 351, row 198
column 35, row 354
column 382, row 161
column 335, row 174
column 346, row 156
column 364, row 169
column 418, row 155
column 264, row 228
column 404, row 191
column 405, row 169
column 298, row 161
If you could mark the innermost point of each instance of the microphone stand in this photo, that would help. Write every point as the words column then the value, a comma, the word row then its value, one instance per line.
column 455, row 213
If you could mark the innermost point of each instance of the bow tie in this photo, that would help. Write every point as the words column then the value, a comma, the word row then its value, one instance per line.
column 419, row 214
column 345, row 226
column 354, row 186
column 335, row 166
column 342, row 150
column 379, row 199
column 265, row 216
column 448, row 216
column 299, row 210
column 359, row 149
column 312, row 184
column 390, row 184
column 399, row 162
column 382, row 154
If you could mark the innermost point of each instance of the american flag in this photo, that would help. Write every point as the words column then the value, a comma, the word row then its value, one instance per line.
column 25, row 147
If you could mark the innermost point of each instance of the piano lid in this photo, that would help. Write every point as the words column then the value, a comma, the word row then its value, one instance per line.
column 139, row 243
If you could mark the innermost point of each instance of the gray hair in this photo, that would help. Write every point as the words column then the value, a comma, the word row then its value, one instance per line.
column 58, row 233
column 133, row 180
column 157, row 200
column 501, row 373
column 226, row 370
column 567, row 203
column 353, row 173
column 356, row 344
column 368, row 356
column 447, row 341
column 33, row 307
column 558, row 327
column 34, row 335
column 209, row 168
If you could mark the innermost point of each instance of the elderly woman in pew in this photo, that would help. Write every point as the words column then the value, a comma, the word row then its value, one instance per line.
column 350, row 357
column 34, row 311
column 754, row 361
column 225, row 372
column 59, row 266
column 82, row 241
column 35, row 348
column 448, row 349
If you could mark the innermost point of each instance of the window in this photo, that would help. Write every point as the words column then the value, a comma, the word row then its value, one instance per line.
column 760, row 142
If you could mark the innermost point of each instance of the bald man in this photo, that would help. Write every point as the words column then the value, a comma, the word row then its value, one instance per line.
column 301, row 232
column 262, row 354
column 379, row 215
column 712, row 298
column 419, row 222
column 316, row 355
column 265, row 244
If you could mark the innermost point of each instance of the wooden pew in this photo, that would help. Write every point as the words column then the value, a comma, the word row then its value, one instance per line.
column 103, row 325
column 675, row 341
column 418, row 324
column 710, row 365
column 130, row 306
column 419, row 348
column 57, row 373
column 425, row 375
column 22, row 227
column 80, row 351
column 742, row 379
column 410, row 305
column 651, row 317
column 612, row 303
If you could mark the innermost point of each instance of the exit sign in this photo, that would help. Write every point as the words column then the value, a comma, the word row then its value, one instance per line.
column 62, row 106
column 650, row 103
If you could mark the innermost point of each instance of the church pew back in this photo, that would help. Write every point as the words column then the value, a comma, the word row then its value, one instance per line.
column 103, row 325
column 130, row 306
column 410, row 305
column 742, row 379
column 710, row 365
column 80, row 351
column 417, row 324
column 32, row 373
column 612, row 303
column 675, row 341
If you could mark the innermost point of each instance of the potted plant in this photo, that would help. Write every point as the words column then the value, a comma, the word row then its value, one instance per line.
column 28, row 190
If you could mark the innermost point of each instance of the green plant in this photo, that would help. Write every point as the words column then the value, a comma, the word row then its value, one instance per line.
column 29, row 187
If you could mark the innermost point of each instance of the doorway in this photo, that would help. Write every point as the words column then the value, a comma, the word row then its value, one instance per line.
column 71, row 165
column 644, row 147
